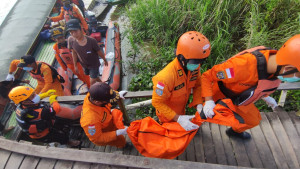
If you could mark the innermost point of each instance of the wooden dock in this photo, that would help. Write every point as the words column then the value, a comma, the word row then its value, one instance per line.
column 274, row 144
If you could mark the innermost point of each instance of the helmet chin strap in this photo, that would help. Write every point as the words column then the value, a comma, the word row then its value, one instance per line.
column 277, row 70
column 183, row 62
column 285, row 73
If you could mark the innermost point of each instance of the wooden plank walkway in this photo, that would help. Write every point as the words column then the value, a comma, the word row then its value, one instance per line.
column 274, row 144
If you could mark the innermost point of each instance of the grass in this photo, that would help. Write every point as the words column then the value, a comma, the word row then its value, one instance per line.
column 230, row 25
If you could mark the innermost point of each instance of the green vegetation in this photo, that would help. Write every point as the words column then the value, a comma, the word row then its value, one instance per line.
column 231, row 26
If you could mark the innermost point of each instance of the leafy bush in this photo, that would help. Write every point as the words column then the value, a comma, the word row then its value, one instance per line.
column 231, row 26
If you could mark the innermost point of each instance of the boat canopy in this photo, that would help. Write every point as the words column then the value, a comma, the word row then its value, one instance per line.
column 20, row 29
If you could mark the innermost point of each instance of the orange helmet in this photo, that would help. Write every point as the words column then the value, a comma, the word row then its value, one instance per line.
column 20, row 93
column 289, row 53
column 193, row 45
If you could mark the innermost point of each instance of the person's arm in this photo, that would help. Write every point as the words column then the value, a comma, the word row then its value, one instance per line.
column 58, row 58
column 99, row 51
column 161, row 94
column 74, row 53
column 59, row 17
column 101, row 54
column 48, row 80
column 75, row 60
column 13, row 66
column 39, row 87
column 226, row 72
column 82, row 20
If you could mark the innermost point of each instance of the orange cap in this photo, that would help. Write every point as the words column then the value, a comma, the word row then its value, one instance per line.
column 289, row 53
column 193, row 45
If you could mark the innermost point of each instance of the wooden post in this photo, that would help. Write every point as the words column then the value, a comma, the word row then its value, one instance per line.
column 125, row 115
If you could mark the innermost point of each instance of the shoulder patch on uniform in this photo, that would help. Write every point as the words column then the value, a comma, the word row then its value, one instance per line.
column 193, row 78
column 179, row 86
column 221, row 75
column 159, row 92
column 229, row 73
column 180, row 73
column 92, row 130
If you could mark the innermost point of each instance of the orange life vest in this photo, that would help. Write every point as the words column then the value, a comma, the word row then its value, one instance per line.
column 36, row 121
column 65, row 55
column 40, row 77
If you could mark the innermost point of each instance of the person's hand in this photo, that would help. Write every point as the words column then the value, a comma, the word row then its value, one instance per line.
column 199, row 108
column 122, row 94
column 271, row 102
column 47, row 94
column 52, row 99
column 184, row 121
column 122, row 131
column 208, row 108
column 105, row 62
column 10, row 77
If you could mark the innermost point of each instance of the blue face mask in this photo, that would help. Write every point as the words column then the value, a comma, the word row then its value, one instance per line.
column 192, row 67
column 36, row 99
column 289, row 79
column 28, row 69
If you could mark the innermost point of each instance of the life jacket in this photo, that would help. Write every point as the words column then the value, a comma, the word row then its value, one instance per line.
column 65, row 54
column 36, row 121
column 264, row 86
column 39, row 76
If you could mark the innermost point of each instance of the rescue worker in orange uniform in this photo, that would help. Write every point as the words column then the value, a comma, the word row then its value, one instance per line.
column 64, row 56
column 68, row 12
column 46, row 76
column 249, row 76
column 79, row 3
column 172, row 85
column 38, row 120
column 97, row 118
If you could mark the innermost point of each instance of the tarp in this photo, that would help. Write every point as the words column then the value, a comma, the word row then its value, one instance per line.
column 20, row 28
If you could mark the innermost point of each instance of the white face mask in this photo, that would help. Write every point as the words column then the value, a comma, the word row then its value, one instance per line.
column 36, row 99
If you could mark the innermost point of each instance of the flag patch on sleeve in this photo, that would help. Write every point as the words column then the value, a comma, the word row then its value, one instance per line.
column 229, row 73
column 160, row 85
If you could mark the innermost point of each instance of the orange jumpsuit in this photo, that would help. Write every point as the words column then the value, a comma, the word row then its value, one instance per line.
column 67, row 15
column 98, row 125
column 66, row 112
column 45, row 82
column 238, row 74
column 68, row 63
column 172, row 88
